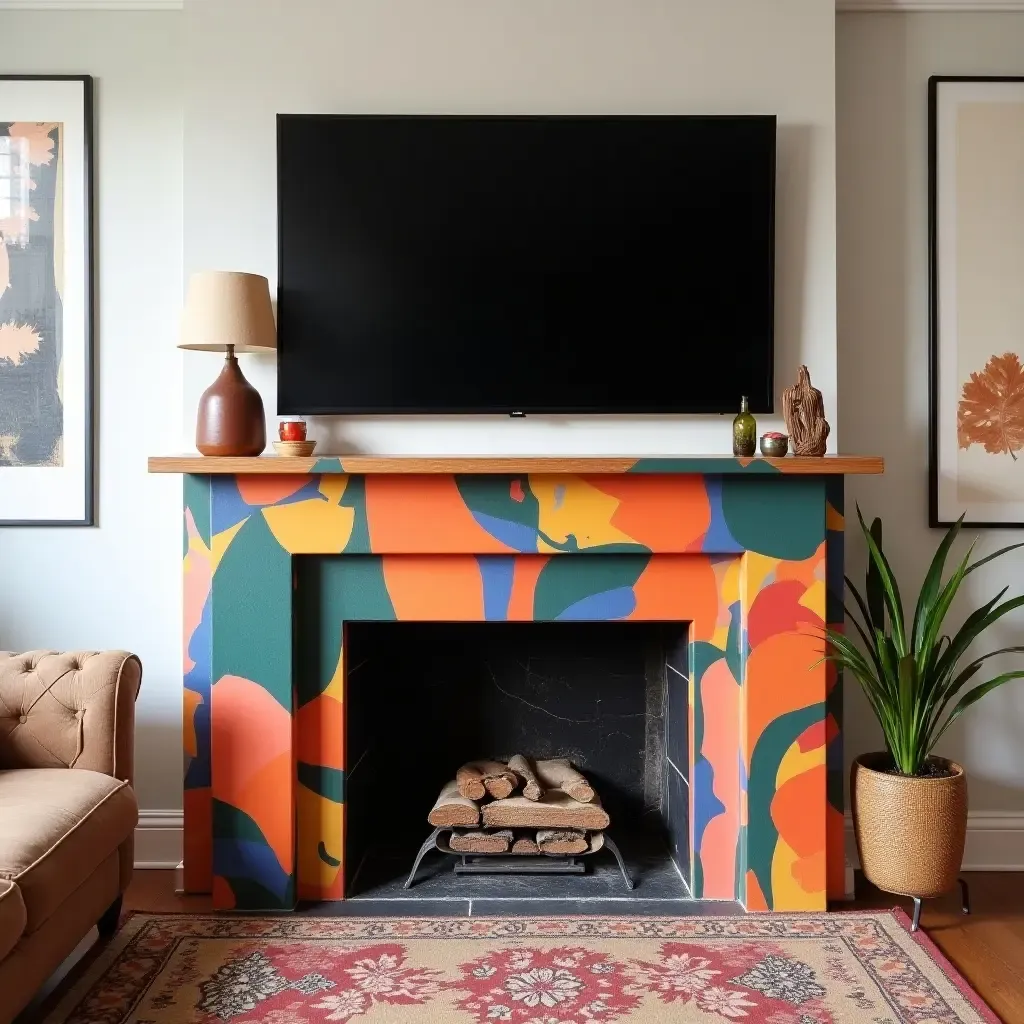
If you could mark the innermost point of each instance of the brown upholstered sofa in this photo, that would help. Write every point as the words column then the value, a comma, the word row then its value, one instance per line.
column 67, row 809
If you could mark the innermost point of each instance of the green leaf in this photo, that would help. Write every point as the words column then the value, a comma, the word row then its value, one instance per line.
column 995, row 554
column 973, row 696
column 890, row 589
column 872, row 580
column 930, row 588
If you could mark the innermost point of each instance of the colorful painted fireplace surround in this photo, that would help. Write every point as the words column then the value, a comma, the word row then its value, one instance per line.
column 748, row 552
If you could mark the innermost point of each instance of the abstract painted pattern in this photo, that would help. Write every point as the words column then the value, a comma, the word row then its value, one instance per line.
column 745, row 557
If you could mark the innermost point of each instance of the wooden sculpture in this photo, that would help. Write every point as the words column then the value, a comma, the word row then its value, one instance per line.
column 804, row 412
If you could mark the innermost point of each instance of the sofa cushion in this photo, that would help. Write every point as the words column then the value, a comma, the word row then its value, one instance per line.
column 57, row 825
column 12, row 916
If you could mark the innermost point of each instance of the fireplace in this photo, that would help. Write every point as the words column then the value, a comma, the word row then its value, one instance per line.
column 425, row 698
column 746, row 553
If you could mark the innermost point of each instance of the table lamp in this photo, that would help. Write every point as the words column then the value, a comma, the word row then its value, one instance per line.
column 229, row 312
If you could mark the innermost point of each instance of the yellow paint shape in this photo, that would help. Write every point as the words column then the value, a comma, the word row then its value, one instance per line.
column 796, row 762
column 336, row 687
column 571, row 505
column 786, row 889
column 312, row 527
column 814, row 599
column 319, row 820
column 333, row 486
column 757, row 568
column 222, row 541
column 190, row 702
column 834, row 520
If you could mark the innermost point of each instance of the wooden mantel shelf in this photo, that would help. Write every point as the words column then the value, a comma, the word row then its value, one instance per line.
column 828, row 465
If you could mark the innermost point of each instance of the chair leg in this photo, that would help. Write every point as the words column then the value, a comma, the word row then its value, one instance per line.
column 917, row 915
column 107, row 924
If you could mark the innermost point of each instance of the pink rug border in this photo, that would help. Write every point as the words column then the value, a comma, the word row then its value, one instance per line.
column 921, row 937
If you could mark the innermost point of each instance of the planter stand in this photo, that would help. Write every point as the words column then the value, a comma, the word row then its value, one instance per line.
column 965, row 904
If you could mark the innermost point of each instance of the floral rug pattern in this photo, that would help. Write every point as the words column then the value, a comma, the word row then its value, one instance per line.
column 844, row 968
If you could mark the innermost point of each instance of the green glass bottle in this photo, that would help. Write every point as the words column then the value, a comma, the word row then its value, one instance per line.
column 744, row 431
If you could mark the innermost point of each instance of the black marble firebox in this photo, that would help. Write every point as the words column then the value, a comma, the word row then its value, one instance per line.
column 423, row 698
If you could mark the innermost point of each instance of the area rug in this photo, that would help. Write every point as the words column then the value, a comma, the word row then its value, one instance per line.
column 843, row 968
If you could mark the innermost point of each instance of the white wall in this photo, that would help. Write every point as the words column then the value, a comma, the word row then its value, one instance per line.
column 118, row 585
column 883, row 65
column 705, row 56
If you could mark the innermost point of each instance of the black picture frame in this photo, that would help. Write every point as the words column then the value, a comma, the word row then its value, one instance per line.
column 935, row 519
column 89, row 299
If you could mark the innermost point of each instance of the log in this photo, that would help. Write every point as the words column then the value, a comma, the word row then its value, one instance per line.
column 532, row 789
column 453, row 809
column 555, row 810
column 481, row 842
column 477, row 778
column 564, row 841
column 560, row 774
column 525, row 844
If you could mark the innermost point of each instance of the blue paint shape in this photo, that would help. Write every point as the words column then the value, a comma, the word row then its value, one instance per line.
column 706, row 805
column 198, row 679
column 226, row 505
column 517, row 536
column 247, row 858
column 611, row 604
column 497, row 573
column 718, row 538
column 559, row 495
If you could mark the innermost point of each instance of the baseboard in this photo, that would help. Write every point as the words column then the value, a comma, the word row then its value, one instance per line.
column 158, row 839
column 995, row 841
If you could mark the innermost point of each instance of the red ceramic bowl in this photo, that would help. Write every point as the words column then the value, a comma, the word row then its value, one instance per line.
column 292, row 430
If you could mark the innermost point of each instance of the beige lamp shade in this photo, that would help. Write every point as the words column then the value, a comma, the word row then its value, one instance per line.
column 228, row 308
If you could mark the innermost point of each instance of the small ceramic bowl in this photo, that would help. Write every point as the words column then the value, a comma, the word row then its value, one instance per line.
column 774, row 447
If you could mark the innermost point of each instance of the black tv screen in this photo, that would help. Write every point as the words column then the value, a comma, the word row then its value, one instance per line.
column 525, row 264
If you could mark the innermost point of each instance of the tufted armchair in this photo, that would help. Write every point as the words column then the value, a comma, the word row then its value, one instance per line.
column 67, row 808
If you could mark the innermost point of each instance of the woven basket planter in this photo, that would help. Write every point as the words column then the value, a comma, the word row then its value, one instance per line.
column 910, row 831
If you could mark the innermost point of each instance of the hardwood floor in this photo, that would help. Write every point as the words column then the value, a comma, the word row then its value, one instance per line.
column 987, row 947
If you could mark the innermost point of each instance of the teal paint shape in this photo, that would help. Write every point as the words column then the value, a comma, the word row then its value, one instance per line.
column 196, row 495
column 724, row 466
column 327, row 782
column 492, row 496
column 565, row 581
column 782, row 517
column 355, row 499
column 771, row 747
column 231, row 823
column 252, row 611
column 250, row 895
column 327, row 465
column 332, row 591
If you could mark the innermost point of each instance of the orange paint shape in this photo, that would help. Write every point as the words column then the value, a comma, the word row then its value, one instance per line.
column 664, row 513
column 196, row 581
column 806, row 570
column 197, row 826
column 320, row 732
column 223, row 896
column 526, row 571
column 775, row 683
column 424, row 588
column 755, row 900
column 720, row 696
column 268, row 490
column 794, row 813
column 810, row 872
column 679, row 588
column 410, row 514
column 252, row 760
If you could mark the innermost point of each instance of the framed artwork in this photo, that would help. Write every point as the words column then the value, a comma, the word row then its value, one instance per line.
column 46, row 301
column 976, row 236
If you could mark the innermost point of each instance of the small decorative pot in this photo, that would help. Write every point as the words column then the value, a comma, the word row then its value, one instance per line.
column 774, row 446
column 910, row 831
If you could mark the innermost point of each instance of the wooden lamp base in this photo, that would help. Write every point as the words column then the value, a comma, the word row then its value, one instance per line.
column 230, row 420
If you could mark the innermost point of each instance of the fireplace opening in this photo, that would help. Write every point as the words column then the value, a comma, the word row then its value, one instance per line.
column 607, row 699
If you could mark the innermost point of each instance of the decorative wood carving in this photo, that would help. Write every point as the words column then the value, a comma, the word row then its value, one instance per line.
column 804, row 411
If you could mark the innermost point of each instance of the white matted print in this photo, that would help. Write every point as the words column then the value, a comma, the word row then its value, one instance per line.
column 976, row 163
column 46, row 443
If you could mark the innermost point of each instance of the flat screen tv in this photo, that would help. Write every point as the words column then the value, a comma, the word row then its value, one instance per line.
column 525, row 264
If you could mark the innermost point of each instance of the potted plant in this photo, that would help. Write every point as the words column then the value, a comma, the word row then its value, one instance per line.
column 910, row 806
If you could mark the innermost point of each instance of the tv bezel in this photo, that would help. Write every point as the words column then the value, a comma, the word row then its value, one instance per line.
column 757, row 402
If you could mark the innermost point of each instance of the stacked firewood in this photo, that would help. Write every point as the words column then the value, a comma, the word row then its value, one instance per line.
column 522, row 807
